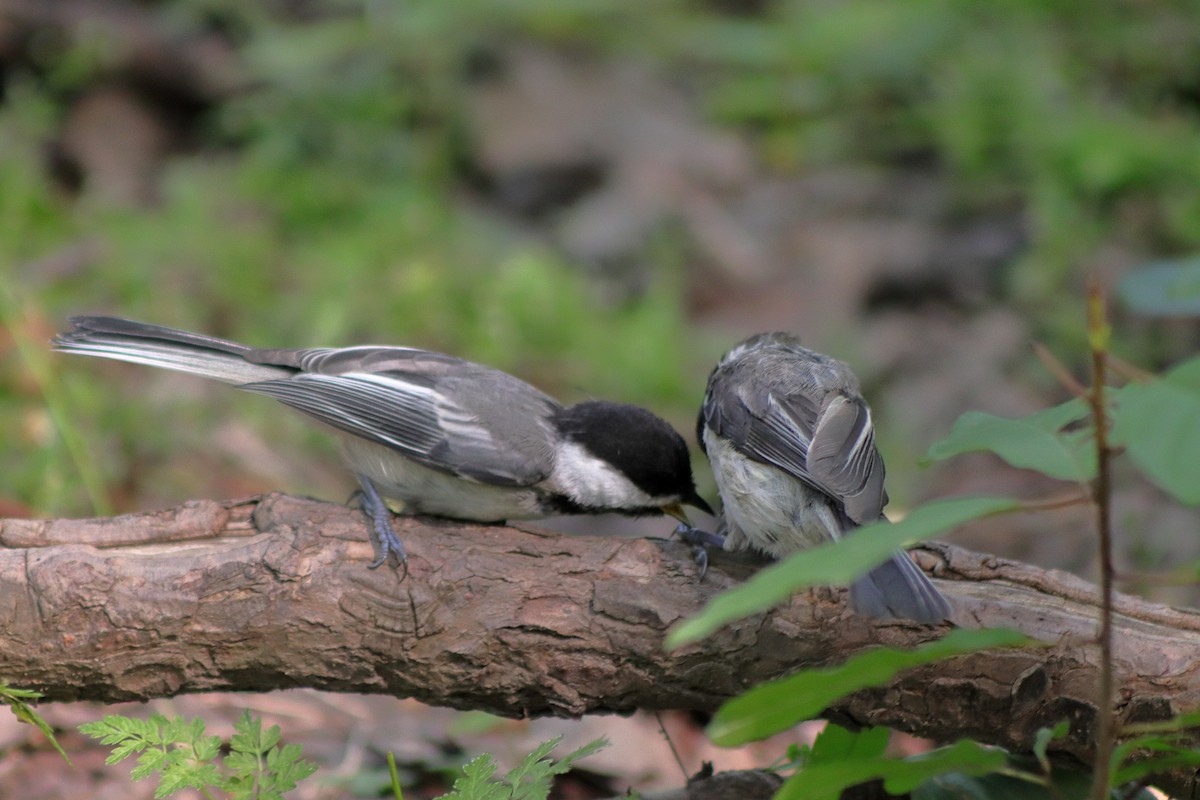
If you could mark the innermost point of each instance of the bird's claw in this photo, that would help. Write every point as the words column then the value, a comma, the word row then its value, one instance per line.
column 700, row 541
column 384, row 540
column 387, row 545
column 700, row 556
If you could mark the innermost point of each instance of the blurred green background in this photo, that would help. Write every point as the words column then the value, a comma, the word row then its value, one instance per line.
column 599, row 196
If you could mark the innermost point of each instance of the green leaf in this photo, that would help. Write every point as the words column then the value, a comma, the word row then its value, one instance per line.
column 17, row 700
column 1163, row 289
column 1043, row 739
column 1159, row 425
column 127, row 735
column 270, row 738
column 835, row 743
column 241, row 764
column 287, row 768
column 247, row 735
column 532, row 763
column 834, row 563
column 826, row 781
column 476, row 782
column 24, row 694
column 532, row 780
column 1035, row 442
column 567, row 762
column 149, row 762
column 186, row 776
column 777, row 705
column 207, row 748
column 1167, row 752
column 111, row 729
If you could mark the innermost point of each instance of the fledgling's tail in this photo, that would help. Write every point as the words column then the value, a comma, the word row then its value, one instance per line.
column 168, row 348
column 899, row 589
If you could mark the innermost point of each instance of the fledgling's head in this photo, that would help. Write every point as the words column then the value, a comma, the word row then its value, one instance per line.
column 779, row 341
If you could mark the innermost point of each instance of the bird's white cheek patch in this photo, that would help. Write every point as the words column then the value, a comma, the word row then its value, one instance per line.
column 594, row 483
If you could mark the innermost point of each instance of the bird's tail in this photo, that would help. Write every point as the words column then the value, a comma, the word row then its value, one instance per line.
column 168, row 348
column 898, row 589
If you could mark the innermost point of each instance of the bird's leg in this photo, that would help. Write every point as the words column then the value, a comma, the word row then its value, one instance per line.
column 383, row 537
column 700, row 541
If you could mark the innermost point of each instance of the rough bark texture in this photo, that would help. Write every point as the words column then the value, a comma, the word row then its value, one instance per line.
column 274, row 592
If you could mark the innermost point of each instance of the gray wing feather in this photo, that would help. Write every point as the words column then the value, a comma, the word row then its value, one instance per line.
column 426, row 406
column 391, row 416
column 811, row 430
column 843, row 458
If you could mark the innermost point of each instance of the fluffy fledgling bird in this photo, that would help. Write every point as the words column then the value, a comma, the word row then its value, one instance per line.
column 792, row 447
column 443, row 436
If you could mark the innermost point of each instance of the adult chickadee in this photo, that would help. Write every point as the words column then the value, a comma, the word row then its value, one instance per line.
column 443, row 436
column 792, row 448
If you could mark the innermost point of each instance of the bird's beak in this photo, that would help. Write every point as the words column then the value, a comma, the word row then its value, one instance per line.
column 696, row 501
column 676, row 509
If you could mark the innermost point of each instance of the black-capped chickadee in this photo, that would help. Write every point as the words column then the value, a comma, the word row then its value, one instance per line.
column 443, row 436
column 792, row 448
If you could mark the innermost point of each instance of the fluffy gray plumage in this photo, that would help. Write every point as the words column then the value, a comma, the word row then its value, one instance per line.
column 792, row 446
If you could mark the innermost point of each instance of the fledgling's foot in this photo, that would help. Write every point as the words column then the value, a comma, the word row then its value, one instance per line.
column 700, row 541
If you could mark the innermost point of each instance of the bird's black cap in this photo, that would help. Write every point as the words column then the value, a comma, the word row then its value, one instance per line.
column 640, row 445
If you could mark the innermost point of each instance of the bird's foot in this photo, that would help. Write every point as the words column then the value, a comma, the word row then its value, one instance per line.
column 384, row 540
column 700, row 541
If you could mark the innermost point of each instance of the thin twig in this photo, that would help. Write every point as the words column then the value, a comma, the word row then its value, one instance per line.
column 1128, row 371
column 1058, row 370
column 1098, row 337
column 1053, row 503
column 663, row 728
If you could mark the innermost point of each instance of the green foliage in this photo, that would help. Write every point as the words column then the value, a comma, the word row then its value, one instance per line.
column 1157, row 747
column 775, row 706
column 530, row 780
column 834, row 563
column 184, row 757
column 1066, row 785
column 1039, row 442
column 1061, row 107
column 1155, row 420
column 825, row 780
column 1042, row 740
column 839, row 759
column 18, row 700
column 1158, row 422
